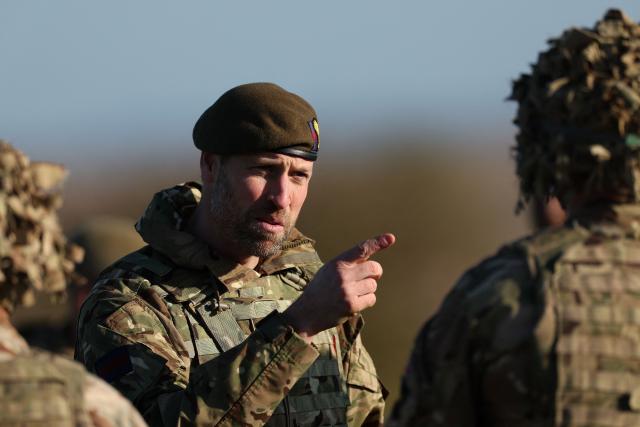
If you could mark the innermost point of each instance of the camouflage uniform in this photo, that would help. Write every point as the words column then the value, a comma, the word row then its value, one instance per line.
column 38, row 388
column 191, row 338
column 547, row 331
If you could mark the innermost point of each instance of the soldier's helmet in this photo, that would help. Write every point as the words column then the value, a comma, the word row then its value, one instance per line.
column 34, row 253
column 579, row 114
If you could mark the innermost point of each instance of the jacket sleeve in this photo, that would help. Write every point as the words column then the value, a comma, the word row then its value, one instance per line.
column 366, row 393
column 136, row 348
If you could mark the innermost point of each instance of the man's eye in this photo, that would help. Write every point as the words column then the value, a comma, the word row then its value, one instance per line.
column 301, row 175
column 260, row 170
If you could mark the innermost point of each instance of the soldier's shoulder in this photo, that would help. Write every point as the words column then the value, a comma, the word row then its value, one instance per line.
column 43, row 364
column 124, row 281
column 510, row 277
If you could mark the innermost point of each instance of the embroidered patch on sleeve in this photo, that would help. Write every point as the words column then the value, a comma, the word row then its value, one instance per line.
column 114, row 365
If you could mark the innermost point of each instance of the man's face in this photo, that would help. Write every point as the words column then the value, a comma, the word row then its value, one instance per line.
column 256, row 199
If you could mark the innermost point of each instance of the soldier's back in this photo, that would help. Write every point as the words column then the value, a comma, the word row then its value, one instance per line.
column 546, row 332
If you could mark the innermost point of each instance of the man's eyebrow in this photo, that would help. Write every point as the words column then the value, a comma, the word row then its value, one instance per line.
column 266, row 161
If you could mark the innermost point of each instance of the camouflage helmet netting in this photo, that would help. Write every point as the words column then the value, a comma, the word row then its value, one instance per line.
column 578, row 114
column 34, row 253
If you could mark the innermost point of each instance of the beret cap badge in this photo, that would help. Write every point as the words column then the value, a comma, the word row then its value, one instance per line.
column 315, row 134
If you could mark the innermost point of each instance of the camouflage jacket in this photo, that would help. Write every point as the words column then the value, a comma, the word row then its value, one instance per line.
column 544, row 333
column 38, row 388
column 194, row 339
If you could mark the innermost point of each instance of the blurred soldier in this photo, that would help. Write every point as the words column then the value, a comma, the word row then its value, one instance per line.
column 39, row 388
column 228, row 317
column 547, row 331
column 51, row 325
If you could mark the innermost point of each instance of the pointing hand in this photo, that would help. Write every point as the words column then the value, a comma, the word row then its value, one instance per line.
column 342, row 287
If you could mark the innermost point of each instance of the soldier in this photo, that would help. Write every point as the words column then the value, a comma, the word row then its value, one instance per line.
column 547, row 331
column 228, row 316
column 38, row 388
column 51, row 325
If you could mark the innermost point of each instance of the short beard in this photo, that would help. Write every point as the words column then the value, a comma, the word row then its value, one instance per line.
column 240, row 227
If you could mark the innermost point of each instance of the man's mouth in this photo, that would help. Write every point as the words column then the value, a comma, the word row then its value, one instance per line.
column 271, row 224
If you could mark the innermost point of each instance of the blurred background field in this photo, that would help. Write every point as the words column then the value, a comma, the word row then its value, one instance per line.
column 415, row 130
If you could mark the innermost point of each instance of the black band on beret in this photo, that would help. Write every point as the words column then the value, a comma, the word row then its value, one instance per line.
column 296, row 152
column 259, row 117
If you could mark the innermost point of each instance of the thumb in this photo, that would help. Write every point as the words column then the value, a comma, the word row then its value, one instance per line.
column 367, row 248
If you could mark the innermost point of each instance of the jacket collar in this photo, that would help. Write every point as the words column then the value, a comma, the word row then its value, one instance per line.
column 163, row 225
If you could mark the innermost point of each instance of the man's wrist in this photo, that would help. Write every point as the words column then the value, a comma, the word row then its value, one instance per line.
column 296, row 319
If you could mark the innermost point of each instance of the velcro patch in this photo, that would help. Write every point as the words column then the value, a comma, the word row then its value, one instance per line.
column 114, row 365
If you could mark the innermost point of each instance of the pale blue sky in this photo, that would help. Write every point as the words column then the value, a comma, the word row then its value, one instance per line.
column 82, row 76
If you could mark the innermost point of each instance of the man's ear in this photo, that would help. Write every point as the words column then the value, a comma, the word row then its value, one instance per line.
column 209, row 167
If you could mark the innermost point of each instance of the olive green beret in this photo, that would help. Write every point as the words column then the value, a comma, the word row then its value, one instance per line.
column 258, row 117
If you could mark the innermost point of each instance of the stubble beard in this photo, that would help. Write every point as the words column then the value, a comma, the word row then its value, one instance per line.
column 242, row 227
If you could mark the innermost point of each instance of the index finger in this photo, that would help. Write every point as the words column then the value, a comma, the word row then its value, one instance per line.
column 367, row 248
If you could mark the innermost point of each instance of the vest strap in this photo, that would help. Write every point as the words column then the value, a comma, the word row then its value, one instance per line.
column 223, row 327
column 203, row 347
column 590, row 415
column 258, row 309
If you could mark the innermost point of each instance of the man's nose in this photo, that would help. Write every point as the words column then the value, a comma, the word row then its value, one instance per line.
column 279, row 192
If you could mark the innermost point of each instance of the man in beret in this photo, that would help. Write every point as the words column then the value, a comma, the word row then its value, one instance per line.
column 228, row 316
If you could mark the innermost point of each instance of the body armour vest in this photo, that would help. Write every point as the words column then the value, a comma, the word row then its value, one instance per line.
column 211, row 322
column 41, row 389
column 591, row 282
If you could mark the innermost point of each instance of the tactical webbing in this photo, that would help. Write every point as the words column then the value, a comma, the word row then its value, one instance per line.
column 258, row 309
column 592, row 416
column 607, row 382
column 603, row 345
column 224, row 328
column 323, row 368
column 251, row 292
column 603, row 314
column 595, row 296
column 203, row 347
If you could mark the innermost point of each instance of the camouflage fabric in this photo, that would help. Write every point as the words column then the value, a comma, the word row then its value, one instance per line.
column 579, row 114
column 38, row 388
column 194, row 339
column 34, row 251
column 544, row 333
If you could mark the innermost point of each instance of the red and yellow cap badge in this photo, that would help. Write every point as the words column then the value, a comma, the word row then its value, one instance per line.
column 315, row 133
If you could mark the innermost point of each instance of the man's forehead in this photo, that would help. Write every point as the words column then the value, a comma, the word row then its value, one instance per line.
column 277, row 158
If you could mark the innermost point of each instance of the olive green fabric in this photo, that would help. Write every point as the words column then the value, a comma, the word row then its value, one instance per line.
column 259, row 117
